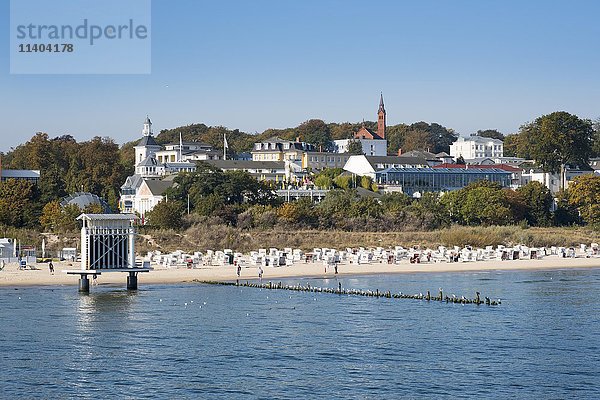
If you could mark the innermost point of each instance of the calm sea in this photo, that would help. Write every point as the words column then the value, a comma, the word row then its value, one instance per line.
column 199, row 341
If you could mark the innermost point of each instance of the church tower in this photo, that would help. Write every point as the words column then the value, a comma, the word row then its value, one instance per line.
column 381, row 119
column 147, row 130
column 147, row 147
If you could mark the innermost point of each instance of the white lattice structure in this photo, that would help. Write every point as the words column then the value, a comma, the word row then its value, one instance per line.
column 107, row 245
column 107, row 241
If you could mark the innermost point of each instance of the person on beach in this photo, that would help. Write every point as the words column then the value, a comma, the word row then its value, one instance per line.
column 51, row 267
column 239, row 270
column 260, row 274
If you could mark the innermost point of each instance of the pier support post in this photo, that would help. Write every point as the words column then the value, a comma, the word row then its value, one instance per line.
column 84, row 284
column 132, row 281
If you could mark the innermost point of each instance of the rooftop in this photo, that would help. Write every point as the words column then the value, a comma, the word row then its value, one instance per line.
column 107, row 217
column 245, row 164
column 20, row 173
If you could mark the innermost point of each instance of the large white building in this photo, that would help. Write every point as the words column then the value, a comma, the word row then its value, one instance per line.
column 155, row 160
column 369, row 165
column 476, row 147
column 277, row 149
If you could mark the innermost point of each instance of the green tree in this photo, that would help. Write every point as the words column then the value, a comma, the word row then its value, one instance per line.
column 355, row 147
column 558, row 139
column 323, row 181
column 316, row 132
column 395, row 135
column 440, row 137
column 538, row 200
column 596, row 138
column 343, row 182
column 166, row 215
column 416, row 139
column 430, row 211
column 366, row 207
column 366, row 182
column 16, row 197
column 480, row 203
column 565, row 213
column 337, row 203
column 395, row 202
column 490, row 133
column 331, row 172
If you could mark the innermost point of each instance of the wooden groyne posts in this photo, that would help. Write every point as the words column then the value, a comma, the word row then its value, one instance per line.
column 359, row 292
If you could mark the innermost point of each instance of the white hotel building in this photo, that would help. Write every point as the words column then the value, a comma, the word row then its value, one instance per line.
column 476, row 147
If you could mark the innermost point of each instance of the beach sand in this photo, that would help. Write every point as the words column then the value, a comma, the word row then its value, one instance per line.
column 12, row 276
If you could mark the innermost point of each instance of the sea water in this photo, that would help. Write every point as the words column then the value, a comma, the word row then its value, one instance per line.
column 205, row 341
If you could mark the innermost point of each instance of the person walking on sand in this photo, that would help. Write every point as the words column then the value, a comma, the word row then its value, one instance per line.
column 260, row 274
column 51, row 267
column 239, row 270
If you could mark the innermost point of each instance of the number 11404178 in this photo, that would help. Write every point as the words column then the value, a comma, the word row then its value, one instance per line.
column 46, row 48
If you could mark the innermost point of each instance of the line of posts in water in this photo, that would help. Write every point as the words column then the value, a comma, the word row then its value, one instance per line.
column 359, row 292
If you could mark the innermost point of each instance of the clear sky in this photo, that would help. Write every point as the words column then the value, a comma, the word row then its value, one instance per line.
column 252, row 65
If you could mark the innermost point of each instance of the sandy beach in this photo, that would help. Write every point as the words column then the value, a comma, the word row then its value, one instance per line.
column 12, row 276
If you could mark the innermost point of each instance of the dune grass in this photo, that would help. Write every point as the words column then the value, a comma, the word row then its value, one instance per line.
column 202, row 237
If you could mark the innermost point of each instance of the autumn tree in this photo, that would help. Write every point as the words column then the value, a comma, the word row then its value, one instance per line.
column 58, row 219
column 301, row 212
column 584, row 194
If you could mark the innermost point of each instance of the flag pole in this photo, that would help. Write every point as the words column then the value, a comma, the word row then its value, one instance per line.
column 180, row 147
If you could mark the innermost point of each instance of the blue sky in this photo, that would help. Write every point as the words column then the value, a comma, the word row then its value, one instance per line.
column 253, row 65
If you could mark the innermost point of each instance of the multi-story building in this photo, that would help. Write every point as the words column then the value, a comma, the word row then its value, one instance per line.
column 261, row 170
column 476, row 147
column 318, row 160
column 187, row 151
column 174, row 158
column 277, row 149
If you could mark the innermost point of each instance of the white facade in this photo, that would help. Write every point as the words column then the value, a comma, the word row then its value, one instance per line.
column 7, row 248
column 476, row 147
column 152, row 161
column 139, row 195
column 370, row 147
column 551, row 181
column 368, row 165
column 277, row 149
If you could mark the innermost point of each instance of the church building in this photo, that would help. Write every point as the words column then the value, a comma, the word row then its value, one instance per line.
column 373, row 143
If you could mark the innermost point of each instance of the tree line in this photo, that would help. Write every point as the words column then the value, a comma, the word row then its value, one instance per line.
column 101, row 167
column 66, row 166
column 236, row 199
